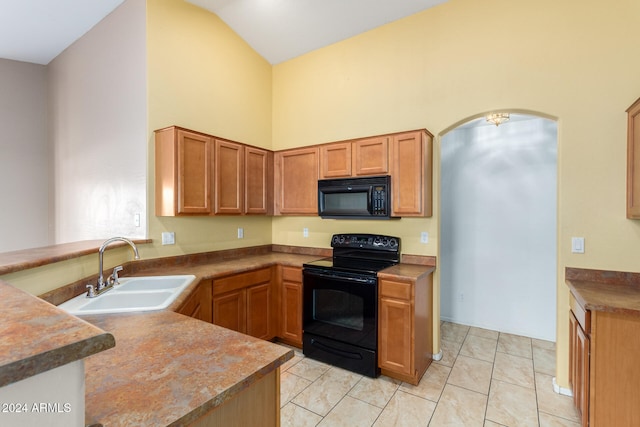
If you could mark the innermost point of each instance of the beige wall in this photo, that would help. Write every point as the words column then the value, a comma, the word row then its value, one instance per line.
column 98, row 114
column 572, row 61
column 203, row 76
column 24, row 175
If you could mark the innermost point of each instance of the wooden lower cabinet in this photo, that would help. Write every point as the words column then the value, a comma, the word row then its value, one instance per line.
column 290, row 292
column 603, row 365
column 405, row 327
column 198, row 304
column 242, row 302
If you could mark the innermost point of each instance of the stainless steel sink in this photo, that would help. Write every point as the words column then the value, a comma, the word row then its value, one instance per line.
column 133, row 294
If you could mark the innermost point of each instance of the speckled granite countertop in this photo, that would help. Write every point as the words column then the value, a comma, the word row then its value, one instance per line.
column 611, row 291
column 170, row 369
column 37, row 337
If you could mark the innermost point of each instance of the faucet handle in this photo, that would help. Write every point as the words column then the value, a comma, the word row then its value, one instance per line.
column 114, row 275
column 91, row 292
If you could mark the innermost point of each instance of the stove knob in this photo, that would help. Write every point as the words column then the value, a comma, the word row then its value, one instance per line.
column 341, row 239
column 335, row 239
column 377, row 241
column 385, row 242
column 393, row 243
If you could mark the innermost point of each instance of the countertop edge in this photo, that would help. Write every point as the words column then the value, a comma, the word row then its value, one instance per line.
column 46, row 361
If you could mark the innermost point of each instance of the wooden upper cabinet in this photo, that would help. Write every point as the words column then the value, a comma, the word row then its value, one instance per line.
column 183, row 172
column 371, row 156
column 258, row 181
column 362, row 157
column 296, row 176
column 198, row 174
column 229, row 181
column 633, row 161
column 411, row 174
column 335, row 160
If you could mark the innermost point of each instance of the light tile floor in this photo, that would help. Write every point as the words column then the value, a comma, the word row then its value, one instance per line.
column 485, row 378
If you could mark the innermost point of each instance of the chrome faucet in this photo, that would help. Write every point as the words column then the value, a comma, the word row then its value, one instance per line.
column 102, row 285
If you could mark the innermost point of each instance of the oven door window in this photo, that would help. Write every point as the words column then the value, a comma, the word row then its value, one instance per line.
column 338, row 308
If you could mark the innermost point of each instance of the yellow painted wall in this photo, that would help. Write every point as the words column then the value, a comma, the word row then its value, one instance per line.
column 203, row 76
column 577, row 62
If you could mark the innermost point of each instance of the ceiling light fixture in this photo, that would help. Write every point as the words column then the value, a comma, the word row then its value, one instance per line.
column 497, row 118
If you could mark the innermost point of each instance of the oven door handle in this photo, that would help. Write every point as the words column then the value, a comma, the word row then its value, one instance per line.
column 349, row 278
column 336, row 351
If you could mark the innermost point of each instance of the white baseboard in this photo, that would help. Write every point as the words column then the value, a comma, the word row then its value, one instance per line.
column 561, row 390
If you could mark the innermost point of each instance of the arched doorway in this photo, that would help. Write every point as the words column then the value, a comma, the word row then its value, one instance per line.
column 498, row 225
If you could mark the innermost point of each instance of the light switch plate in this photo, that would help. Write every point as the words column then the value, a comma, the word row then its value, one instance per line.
column 577, row 245
column 240, row 233
column 305, row 232
column 424, row 237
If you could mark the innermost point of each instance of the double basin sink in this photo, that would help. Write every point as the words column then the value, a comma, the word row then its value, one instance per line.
column 144, row 293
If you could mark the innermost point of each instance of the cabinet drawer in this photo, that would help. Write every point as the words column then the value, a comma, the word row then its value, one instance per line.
column 582, row 316
column 291, row 274
column 398, row 290
column 242, row 280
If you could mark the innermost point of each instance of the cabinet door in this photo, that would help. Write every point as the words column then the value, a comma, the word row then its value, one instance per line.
column 229, row 310
column 199, row 303
column 297, row 182
column 582, row 375
column 229, row 186
column 371, row 156
column 291, row 309
column 411, row 174
column 183, row 172
column 335, row 160
column 258, row 181
column 633, row 161
column 395, row 328
column 259, row 311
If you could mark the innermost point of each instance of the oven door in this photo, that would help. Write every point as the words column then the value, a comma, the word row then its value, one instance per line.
column 340, row 320
column 341, row 306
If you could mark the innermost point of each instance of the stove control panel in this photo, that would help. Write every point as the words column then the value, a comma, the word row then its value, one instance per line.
column 366, row 241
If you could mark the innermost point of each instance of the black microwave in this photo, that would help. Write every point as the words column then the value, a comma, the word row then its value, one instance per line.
column 355, row 198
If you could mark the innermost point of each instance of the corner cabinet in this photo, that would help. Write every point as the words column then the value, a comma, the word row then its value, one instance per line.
column 411, row 174
column 183, row 172
column 603, row 365
column 198, row 304
column 633, row 161
column 405, row 327
column 296, row 180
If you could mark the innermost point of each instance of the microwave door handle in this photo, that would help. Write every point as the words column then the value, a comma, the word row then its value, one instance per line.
column 370, row 200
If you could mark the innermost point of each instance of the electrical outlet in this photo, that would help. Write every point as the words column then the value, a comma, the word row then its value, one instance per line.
column 168, row 238
column 424, row 237
column 240, row 233
column 305, row 232
column 136, row 219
